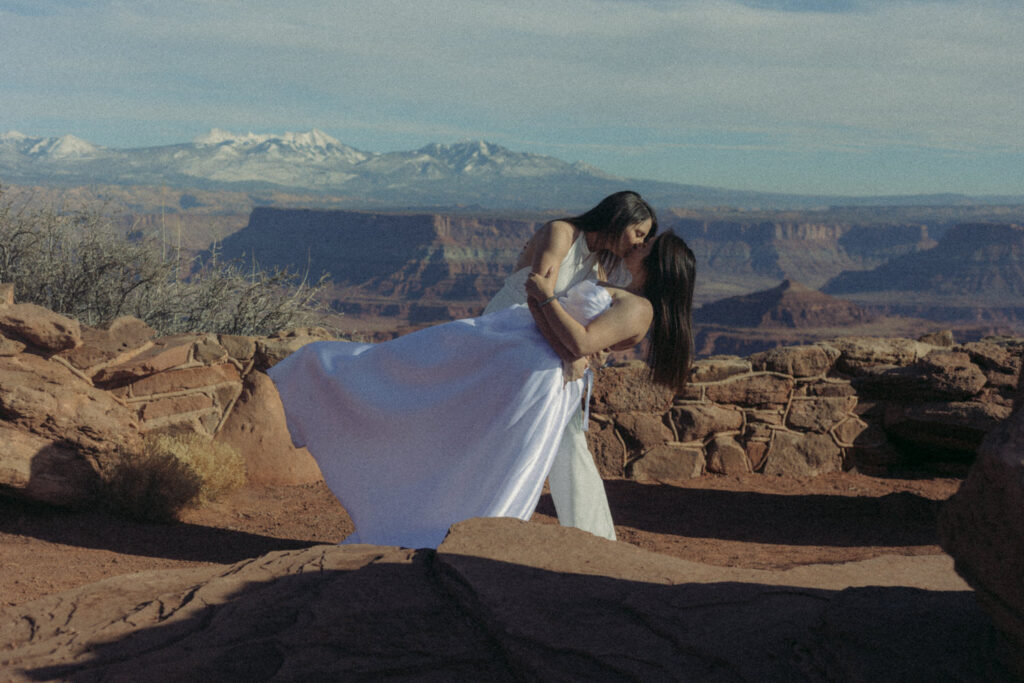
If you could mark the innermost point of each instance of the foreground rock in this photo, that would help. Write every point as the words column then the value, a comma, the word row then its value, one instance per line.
column 982, row 526
column 507, row 600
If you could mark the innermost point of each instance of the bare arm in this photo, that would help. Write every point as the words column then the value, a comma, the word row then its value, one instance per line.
column 624, row 323
column 549, row 246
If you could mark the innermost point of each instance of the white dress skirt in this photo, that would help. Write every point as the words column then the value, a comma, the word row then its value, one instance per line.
column 450, row 422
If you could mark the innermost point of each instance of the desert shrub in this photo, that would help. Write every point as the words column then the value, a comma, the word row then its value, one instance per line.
column 171, row 473
column 80, row 264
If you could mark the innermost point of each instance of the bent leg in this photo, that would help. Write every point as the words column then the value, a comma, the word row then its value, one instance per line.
column 577, row 489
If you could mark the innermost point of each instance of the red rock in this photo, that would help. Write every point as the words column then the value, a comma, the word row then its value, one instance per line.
column 40, row 328
column 818, row 414
column 981, row 526
column 256, row 427
column 798, row 361
column 123, row 338
column 644, row 429
column 627, row 388
column 607, row 447
column 165, row 353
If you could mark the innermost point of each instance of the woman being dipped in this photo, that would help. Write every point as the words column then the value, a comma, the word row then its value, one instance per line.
column 464, row 419
column 590, row 245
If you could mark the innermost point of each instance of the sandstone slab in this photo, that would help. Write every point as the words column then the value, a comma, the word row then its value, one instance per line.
column 39, row 327
column 507, row 600
column 793, row 454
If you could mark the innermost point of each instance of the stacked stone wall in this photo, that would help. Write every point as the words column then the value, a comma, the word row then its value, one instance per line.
column 875, row 404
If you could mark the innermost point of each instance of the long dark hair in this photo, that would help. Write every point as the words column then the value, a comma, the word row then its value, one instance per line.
column 612, row 216
column 671, row 270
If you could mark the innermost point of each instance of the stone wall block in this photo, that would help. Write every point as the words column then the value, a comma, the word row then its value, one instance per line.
column 771, row 416
column 718, row 368
column 760, row 390
column 725, row 456
column 827, row 387
column 697, row 421
column 208, row 351
column 818, row 414
column 238, row 347
column 792, row 454
column 607, row 447
column 122, row 340
column 947, row 427
column 799, row 361
column 165, row 353
column 857, row 354
column 756, row 451
column 669, row 462
column 627, row 388
column 644, row 429
column 847, row 431
column 186, row 379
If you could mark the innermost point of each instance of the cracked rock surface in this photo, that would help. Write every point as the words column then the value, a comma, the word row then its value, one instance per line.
column 507, row 600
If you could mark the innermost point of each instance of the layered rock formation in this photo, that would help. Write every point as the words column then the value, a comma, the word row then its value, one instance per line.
column 75, row 400
column 507, row 600
column 420, row 267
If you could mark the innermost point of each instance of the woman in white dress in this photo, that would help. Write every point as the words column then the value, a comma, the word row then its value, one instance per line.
column 463, row 419
column 575, row 249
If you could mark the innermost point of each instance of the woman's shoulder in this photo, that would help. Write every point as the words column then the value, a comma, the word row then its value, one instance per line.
column 628, row 300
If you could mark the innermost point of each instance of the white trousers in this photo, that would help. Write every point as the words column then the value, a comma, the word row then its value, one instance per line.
column 577, row 489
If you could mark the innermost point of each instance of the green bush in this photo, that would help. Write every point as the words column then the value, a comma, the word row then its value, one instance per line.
column 79, row 264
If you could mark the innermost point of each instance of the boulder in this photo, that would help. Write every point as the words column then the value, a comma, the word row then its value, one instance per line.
column 59, row 433
column 982, row 527
column 644, row 430
column 718, row 368
column 938, row 376
column 606, row 446
column 953, row 428
column 256, row 427
column 818, row 414
column 39, row 327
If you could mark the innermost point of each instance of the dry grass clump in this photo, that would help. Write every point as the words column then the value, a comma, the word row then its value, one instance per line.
column 171, row 473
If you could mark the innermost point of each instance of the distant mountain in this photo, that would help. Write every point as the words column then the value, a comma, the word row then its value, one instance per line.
column 982, row 261
column 475, row 173
column 790, row 305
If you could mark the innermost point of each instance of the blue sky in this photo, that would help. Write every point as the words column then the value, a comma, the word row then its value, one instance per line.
column 808, row 96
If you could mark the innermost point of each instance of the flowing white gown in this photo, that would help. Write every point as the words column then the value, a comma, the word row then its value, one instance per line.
column 454, row 421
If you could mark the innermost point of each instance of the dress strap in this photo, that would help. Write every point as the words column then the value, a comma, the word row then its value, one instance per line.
column 588, row 382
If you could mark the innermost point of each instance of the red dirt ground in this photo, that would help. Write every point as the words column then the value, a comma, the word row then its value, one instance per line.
column 749, row 521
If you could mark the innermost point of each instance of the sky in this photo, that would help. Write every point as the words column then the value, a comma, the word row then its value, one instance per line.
column 852, row 97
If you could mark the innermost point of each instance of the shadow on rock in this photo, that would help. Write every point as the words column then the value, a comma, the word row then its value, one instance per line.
column 358, row 612
column 897, row 519
column 101, row 530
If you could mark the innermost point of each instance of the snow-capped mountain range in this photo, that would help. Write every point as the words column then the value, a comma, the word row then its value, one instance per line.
column 310, row 162
column 465, row 173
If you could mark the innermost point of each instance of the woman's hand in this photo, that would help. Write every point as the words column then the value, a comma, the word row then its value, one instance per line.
column 540, row 287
